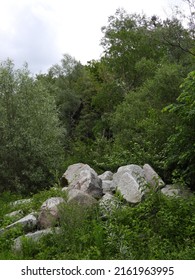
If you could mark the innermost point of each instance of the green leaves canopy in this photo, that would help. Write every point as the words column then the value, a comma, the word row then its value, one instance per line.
column 181, row 144
column 30, row 143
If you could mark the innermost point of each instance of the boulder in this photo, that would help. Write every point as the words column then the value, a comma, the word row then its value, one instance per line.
column 108, row 203
column 107, row 197
column 135, row 171
column 21, row 202
column 34, row 236
column 65, row 189
column 107, row 175
column 80, row 197
column 49, row 212
column 107, row 186
column 82, row 177
column 129, row 180
column 152, row 178
column 128, row 187
column 28, row 222
column 171, row 190
column 73, row 172
column 14, row 214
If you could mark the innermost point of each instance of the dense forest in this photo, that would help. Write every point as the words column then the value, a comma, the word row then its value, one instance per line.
column 136, row 104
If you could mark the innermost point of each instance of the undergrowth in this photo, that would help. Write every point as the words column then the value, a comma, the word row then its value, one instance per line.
column 158, row 228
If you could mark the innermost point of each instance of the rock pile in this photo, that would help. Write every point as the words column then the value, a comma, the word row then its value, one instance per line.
column 85, row 187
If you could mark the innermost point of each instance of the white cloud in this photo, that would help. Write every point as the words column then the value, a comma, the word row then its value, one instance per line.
column 40, row 31
column 27, row 34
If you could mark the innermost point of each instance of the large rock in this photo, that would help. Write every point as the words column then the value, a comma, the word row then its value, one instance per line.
column 14, row 214
column 171, row 190
column 152, row 178
column 107, row 175
column 129, row 188
column 82, row 177
column 135, row 171
column 34, row 236
column 80, row 197
column 106, row 198
column 28, row 223
column 73, row 172
column 49, row 212
column 107, row 178
column 107, row 186
column 129, row 181
column 107, row 204
column 132, row 169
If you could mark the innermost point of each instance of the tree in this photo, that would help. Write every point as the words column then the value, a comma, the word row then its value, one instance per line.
column 131, row 39
column 177, row 39
column 138, row 124
column 30, row 143
column 176, row 34
column 62, row 79
column 180, row 149
column 128, row 39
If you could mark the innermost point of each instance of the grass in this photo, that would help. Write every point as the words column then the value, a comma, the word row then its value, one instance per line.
column 157, row 228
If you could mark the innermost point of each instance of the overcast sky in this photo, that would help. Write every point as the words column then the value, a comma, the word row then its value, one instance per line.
column 39, row 32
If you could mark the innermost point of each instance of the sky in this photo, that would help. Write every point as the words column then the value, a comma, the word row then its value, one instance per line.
column 39, row 32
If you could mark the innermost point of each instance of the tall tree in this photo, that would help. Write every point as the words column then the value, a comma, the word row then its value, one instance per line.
column 30, row 143
column 180, row 149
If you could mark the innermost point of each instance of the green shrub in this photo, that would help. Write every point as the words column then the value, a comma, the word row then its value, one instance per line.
column 158, row 228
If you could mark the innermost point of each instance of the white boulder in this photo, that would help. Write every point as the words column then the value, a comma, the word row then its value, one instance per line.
column 49, row 212
column 152, row 178
column 82, row 177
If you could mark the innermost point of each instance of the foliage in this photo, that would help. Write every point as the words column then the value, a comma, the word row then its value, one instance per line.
column 119, row 118
column 158, row 228
column 134, row 105
column 112, row 108
column 30, row 148
column 181, row 144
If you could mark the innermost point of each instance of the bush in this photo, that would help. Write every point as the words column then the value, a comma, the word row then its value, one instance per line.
column 158, row 228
